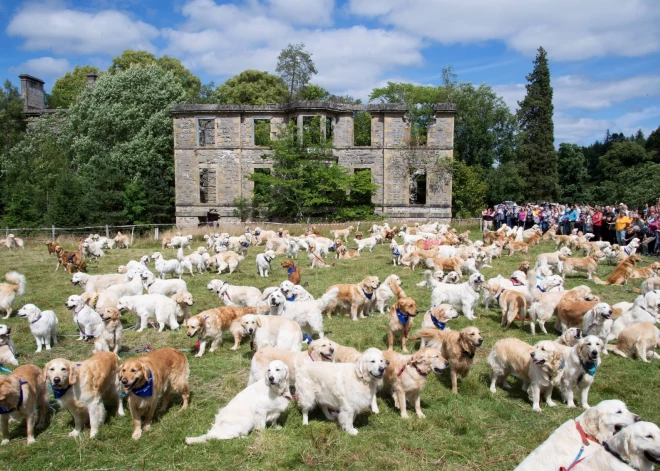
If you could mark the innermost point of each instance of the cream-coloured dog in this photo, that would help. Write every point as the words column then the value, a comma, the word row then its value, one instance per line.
column 43, row 325
column 355, row 299
column 263, row 262
column 96, row 283
column 463, row 296
column 349, row 388
column 580, row 370
column 388, row 290
column 21, row 392
column 341, row 233
column 151, row 306
column 9, row 291
column 272, row 331
column 148, row 377
column 111, row 334
column 7, row 347
column 638, row 340
column 82, row 387
column 598, row 321
column 258, row 405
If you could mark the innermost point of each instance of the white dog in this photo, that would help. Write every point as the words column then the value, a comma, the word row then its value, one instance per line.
column 581, row 366
column 155, row 285
column 9, row 291
column 644, row 309
column 598, row 321
column 463, row 296
column 236, row 295
column 87, row 320
column 155, row 306
column 43, row 325
column 263, row 262
column 368, row 243
column 111, row 295
column 163, row 267
column 349, row 388
column 7, row 347
column 96, row 283
column 193, row 261
column 388, row 290
column 598, row 423
column 307, row 314
column 272, row 331
column 255, row 407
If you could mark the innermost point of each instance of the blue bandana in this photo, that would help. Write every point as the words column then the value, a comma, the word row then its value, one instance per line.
column 291, row 270
column 257, row 232
column 497, row 298
column 396, row 252
column 245, row 244
column 333, row 247
column 591, row 370
column 58, row 393
column 292, row 298
column 307, row 338
column 147, row 390
column 4, row 410
column 437, row 323
column 368, row 296
column 403, row 318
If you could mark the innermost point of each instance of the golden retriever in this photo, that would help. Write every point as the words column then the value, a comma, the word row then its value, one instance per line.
column 111, row 335
column 638, row 340
column 354, row 298
column 586, row 265
column 621, row 273
column 571, row 310
column 344, row 354
column 402, row 314
column 20, row 393
column 512, row 303
column 514, row 247
column 646, row 272
column 147, row 378
column 81, row 388
column 405, row 376
column 9, row 291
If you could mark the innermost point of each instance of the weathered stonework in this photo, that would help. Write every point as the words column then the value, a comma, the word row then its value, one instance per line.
column 233, row 155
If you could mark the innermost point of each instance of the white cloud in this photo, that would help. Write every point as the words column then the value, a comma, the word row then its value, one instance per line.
column 303, row 12
column 66, row 31
column 569, row 30
column 43, row 67
column 587, row 130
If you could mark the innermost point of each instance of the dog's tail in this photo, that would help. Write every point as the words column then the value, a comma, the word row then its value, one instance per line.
column 17, row 279
column 615, row 349
column 432, row 337
column 636, row 290
column 179, row 254
column 327, row 298
column 598, row 281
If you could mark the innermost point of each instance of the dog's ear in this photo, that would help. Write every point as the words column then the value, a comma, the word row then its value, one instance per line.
column 361, row 368
column 463, row 341
column 258, row 321
column 46, row 368
column 73, row 373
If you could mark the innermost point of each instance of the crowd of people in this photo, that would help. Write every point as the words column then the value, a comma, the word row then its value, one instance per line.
column 615, row 223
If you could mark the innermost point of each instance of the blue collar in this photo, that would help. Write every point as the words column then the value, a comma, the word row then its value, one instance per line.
column 403, row 318
column 497, row 298
column 245, row 244
column 396, row 252
column 625, row 250
column 257, row 232
column 333, row 247
column 58, row 392
column 538, row 287
column 437, row 323
column 291, row 299
column 368, row 296
column 591, row 370
column 4, row 410
column 307, row 339
column 291, row 270
column 147, row 390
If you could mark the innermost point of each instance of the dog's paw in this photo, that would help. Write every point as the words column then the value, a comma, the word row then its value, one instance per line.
column 4, row 442
column 30, row 440
column 352, row 431
column 421, row 415
column 74, row 433
column 137, row 434
column 551, row 403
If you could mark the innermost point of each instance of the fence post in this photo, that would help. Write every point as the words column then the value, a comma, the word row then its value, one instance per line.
column 132, row 230
column 52, row 229
column 6, row 232
column 107, row 233
column 214, row 223
column 156, row 233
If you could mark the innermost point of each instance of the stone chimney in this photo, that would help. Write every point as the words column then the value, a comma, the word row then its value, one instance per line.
column 32, row 92
column 91, row 79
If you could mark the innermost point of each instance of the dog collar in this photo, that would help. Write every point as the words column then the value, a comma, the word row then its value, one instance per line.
column 396, row 252
column 147, row 390
column 538, row 287
column 563, row 363
column 307, row 339
column 333, row 247
column 245, row 244
column 36, row 320
column 257, row 232
column 590, row 370
column 291, row 270
column 368, row 296
column 465, row 353
column 4, row 410
column 403, row 318
column 625, row 250
column 291, row 299
column 437, row 323
column 497, row 298
column 59, row 392
column 584, row 436
column 516, row 281
column 614, row 453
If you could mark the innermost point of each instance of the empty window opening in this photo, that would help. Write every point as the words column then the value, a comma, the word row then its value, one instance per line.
column 311, row 131
column 361, row 128
column 418, row 186
column 205, row 132
column 261, row 131
column 261, row 192
column 207, row 184
column 361, row 189
column 329, row 128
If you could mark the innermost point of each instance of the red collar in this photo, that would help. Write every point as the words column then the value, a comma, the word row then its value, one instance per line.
column 414, row 366
column 584, row 436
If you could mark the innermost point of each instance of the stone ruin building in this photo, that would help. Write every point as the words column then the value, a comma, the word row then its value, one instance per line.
column 216, row 147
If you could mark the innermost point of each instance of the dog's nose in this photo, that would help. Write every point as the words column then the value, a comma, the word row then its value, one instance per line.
column 271, row 378
column 446, row 364
column 381, row 369
column 124, row 381
column 332, row 350
column 594, row 353
column 481, row 341
column 250, row 330
column 57, row 380
column 637, row 418
column 189, row 334
column 387, row 362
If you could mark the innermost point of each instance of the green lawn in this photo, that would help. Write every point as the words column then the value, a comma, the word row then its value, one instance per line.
column 473, row 430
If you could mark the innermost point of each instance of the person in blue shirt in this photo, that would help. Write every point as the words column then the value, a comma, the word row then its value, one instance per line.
column 572, row 218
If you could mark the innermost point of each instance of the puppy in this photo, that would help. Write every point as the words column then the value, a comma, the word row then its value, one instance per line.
column 538, row 366
column 20, row 393
column 258, row 405
column 293, row 271
column 110, row 338
column 581, row 365
column 638, row 340
column 263, row 262
column 402, row 314
column 82, row 387
column 405, row 377
column 43, row 325
column 458, row 347
column 579, row 436
column 9, row 291
column 349, row 388
column 354, row 298
column 147, row 378
column 7, row 347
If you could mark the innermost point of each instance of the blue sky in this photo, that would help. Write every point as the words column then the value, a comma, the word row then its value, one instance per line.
column 604, row 54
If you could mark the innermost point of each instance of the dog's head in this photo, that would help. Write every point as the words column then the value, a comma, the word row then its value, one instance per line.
column 407, row 306
column 195, row 325
column 77, row 278
column 323, row 348
column 156, row 255
column 394, row 280
column 470, row 338
column 370, row 283
column 183, row 299
column 444, row 312
column 603, row 311
column 133, row 373
column 61, row 373
column 9, row 391
column 5, row 330
column 429, row 359
column 288, row 264
column 250, row 323
column 571, row 336
column 121, row 269
column 29, row 311
column 638, row 444
column 287, row 288
column 566, row 252
column 74, row 302
column 543, row 352
column 110, row 314
column 371, row 365
column 476, row 281
column 269, row 255
column 277, row 373
column 607, row 418
column 590, row 348
column 276, row 298
column 437, row 275
column 144, row 259
column 124, row 304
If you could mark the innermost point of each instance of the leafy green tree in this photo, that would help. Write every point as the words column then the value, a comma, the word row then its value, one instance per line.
column 505, row 183
column 646, row 187
column 70, row 85
column 468, row 189
column 362, row 128
column 652, row 144
column 251, row 87
column 572, row 168
column 190, row 82
column 12, row 121
column 536, row 151
column 621, row 156
column 314, row 92
column 296, row 67
column 135, row 202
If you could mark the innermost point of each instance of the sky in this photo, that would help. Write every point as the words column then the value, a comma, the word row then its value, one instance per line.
column 604, row 54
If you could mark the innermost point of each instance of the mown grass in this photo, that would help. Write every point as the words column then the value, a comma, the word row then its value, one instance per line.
column 473, row 430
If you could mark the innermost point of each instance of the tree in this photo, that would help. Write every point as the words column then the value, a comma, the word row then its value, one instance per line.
column 12, row 121
column 70, row 85
column 251, row 87
column 622, row 156
column 314, row 92
column 505, row 183
column 190, row 82
column 362, row 128
column 653, row 144
column 536, row 151
column 572, row 168
column 469, row 189
column 296, row 67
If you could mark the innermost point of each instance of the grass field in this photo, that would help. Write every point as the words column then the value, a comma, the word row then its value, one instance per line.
column 473, row 430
